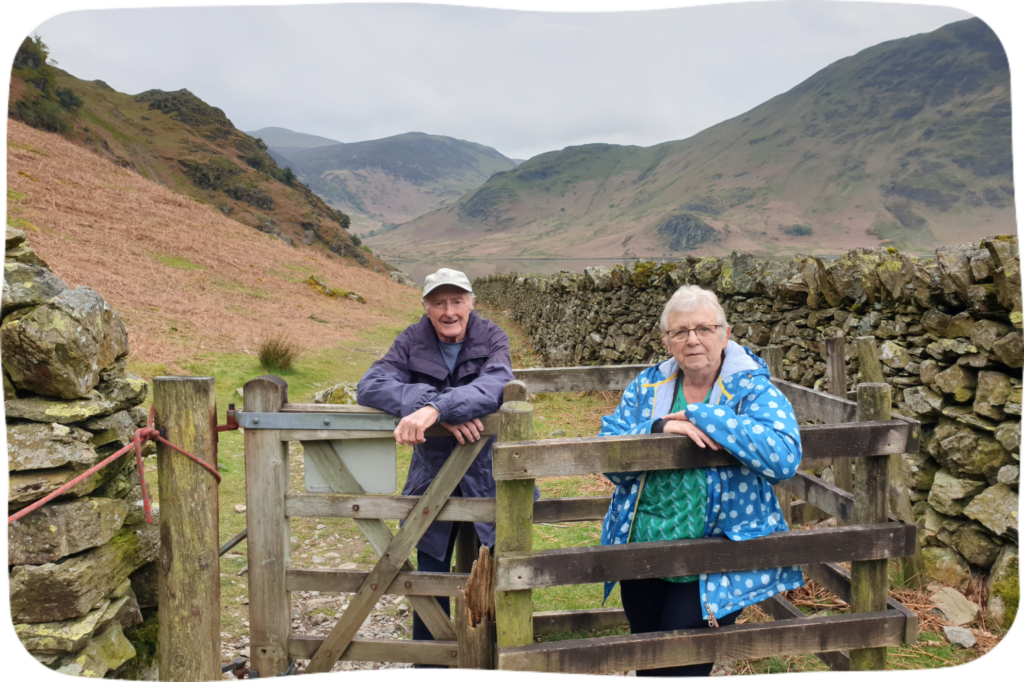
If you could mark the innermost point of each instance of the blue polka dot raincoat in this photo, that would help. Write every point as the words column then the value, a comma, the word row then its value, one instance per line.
column 753, row 421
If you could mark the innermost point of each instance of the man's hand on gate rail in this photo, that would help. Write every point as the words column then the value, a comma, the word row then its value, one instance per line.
column 467, row 431
column 410, row 430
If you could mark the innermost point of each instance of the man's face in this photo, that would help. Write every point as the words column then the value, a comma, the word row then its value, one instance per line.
column 448, row 309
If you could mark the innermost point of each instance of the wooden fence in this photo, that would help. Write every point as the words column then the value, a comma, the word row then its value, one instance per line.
column 867, row 536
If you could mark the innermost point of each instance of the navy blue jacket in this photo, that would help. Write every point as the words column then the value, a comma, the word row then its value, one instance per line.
column 412, row 374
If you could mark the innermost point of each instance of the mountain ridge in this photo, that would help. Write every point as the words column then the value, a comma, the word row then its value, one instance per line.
column 394, row 179
column 900, row 144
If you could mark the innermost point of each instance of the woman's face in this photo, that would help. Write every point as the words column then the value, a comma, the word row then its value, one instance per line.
column 694, row 351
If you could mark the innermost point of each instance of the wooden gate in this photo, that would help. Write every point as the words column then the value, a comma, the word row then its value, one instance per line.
column 867, row 537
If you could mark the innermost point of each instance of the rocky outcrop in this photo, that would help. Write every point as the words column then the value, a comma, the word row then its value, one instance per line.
column 949, row 336
column 70, row 404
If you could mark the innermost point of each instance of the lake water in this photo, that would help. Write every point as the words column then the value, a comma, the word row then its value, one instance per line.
column 418, row 270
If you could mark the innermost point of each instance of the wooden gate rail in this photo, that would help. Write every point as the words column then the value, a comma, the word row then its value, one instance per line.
column 687, row 647
column 611, row 563
column 464, row 509
column 606, row 454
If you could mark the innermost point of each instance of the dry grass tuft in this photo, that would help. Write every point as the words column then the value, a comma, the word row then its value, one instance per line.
column 277, row 353
column 186, row 279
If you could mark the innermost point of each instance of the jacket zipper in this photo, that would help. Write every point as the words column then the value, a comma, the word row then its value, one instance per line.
column 712, row 621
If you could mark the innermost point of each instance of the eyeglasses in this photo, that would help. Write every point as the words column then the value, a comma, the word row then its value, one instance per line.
column 705, row 331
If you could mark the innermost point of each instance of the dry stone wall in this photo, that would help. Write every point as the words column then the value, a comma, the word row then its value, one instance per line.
column 949, row 336
column 81, row 567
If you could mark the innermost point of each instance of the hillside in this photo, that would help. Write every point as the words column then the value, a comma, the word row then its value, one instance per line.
column 907, row 142
column 388, row 181
column 188, row 280
column 183, row 143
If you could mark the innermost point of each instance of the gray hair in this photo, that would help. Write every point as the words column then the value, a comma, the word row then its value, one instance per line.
column 689, row 298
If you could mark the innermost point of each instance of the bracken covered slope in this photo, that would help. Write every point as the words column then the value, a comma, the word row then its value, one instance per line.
column 186, row 279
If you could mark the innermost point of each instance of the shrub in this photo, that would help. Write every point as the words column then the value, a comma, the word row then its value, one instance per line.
column 41, row 113
column 68, row 99
column 342, row 219
column 797, row 230
column 288, row 176
column 277, row 353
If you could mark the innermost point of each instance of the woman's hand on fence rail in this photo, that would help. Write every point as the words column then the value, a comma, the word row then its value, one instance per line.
column 467, row 431
column 677, row 423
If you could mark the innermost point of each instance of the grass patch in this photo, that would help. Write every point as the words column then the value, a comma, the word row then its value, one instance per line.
column 176, row 262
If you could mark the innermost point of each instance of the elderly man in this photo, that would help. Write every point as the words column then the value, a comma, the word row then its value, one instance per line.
column 449, row 368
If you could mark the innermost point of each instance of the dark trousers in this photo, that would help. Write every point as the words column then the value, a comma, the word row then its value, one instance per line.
column 655, row 605
column 425, row 562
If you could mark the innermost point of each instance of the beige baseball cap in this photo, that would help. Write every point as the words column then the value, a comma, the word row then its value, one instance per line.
column 446, row 276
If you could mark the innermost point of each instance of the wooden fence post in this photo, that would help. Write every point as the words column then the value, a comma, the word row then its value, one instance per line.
column 772, row 355
column 835, row 369
column 912, row 567
column 189, row 567
column 266, row 482
column 869, row 582
column 467, row 543
column 474, row 616
column 514, row 530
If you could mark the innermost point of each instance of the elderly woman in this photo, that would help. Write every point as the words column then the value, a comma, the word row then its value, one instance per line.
column 718, row 394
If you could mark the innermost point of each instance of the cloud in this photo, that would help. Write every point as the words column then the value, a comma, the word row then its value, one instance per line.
column 522, row 82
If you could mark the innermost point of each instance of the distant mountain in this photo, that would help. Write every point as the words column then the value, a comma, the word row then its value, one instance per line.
column 282, row 137
column 180, row 141
column 905, row 143
column 394, row 179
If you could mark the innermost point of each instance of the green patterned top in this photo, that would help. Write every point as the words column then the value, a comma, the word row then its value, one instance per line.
column 673, row 502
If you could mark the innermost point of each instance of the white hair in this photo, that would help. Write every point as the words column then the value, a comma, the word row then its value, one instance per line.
column 690, row 298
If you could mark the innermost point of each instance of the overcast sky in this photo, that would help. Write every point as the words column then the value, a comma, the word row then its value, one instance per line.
column 521, row 82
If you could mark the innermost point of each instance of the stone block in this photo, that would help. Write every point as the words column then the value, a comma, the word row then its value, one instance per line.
column 955, row 607
column 975, row 545
column 62, row 636
column 25, row 487
column 957, row 381
column 106, row 652
column 69, row 589
column 946, row 566
column 63, row 528
column 60, row 347
column 28, row 285
column 1008, row 350
column 929, row 370
column 116, row 428
column 47, row 446
column 986, row 333
column 894, row 355
column 996, row 509
column 1004, row 587
column 950, row 495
